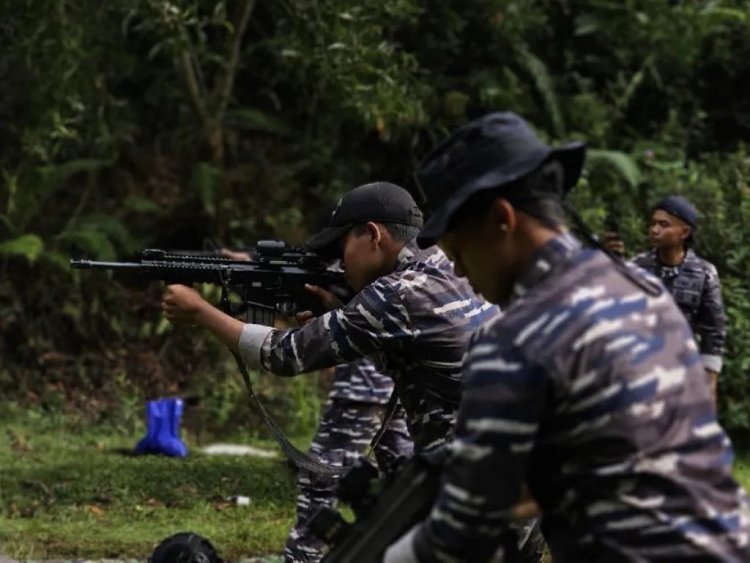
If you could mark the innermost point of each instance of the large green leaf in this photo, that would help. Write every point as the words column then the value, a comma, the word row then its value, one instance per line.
column 99, row 235
column 93, row 243
column 29, row 246
column 717, row 15
column 616, row 161
column 544, row 85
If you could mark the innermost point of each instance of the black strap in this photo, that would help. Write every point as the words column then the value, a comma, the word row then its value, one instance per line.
column 299, row 458
column 390, row 412
column 260, row 313
column 293, row 454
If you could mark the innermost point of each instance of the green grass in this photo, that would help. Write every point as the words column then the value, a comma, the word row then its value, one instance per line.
column 742, row 469
column 67, row 494
column 68, row 491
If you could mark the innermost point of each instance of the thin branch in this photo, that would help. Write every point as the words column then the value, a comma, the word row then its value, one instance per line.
column 225, row 83
column 186, row 67
column 196, row 98
column 91, row 185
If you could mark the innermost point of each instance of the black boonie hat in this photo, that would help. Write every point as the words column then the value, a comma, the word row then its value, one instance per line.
column 381, row 202
column 489, row 152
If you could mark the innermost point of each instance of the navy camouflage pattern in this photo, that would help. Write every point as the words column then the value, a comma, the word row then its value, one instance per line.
column 590, row 391
column 362, row 382
column 694, row 284
column 414, row 323
column 345, row 433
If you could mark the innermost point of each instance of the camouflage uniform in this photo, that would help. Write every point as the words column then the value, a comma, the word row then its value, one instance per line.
column 694, row 284
column 587, row 390
column 414, row 323
column 353, row 414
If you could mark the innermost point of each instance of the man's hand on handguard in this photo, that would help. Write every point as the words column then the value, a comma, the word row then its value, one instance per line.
column 182, row 304
column 328, row 299
column 304, row 317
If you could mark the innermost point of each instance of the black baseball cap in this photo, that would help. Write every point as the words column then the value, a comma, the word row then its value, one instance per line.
column 680, row 207
column 380, row 202
column 496, row 150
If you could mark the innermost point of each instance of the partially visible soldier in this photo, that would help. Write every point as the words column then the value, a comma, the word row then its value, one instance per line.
column 588, row 389
column 692, row 280
column 353, row 414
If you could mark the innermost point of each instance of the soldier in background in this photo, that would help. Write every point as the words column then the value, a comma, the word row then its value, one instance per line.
column 353, row 414
column 693, row 281
column 585, row 401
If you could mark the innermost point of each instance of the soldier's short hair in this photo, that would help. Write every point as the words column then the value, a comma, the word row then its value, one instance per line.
column 399, row 231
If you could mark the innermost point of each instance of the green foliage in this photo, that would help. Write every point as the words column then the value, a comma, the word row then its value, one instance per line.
column 343, row 52
column 157, row 122
column 29, row 246
column 615, row 163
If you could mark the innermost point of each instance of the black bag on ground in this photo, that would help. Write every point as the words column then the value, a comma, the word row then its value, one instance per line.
column 185, row 547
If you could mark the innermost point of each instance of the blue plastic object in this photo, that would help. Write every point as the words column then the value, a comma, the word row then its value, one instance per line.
column 163, row 429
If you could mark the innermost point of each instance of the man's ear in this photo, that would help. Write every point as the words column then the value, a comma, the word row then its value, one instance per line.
column 686, row 231
column 502, row 215
column 373, row 230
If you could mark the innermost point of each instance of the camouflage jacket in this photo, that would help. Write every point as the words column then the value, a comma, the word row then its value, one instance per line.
column 694, row 284
column 361, row 381
column 414, row 323
column 590, row 391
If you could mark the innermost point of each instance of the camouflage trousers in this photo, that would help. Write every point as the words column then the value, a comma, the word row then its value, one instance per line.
column 344, row 434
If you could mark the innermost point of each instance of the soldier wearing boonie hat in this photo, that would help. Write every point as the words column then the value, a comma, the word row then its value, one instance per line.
column 582, row 403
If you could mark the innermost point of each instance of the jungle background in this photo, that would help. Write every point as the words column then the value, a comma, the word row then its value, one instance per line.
column 160, row 123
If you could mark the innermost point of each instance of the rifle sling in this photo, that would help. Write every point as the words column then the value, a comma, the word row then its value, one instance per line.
column 390, row 411
column 293, row 454
column 299, row 458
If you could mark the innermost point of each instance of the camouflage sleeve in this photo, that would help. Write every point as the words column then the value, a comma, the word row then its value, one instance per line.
column 503, row 399
column 375, row 321
column 710, row 321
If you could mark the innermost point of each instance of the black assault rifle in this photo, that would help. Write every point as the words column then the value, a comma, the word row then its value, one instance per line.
column 386, row 508
column 274, row 282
